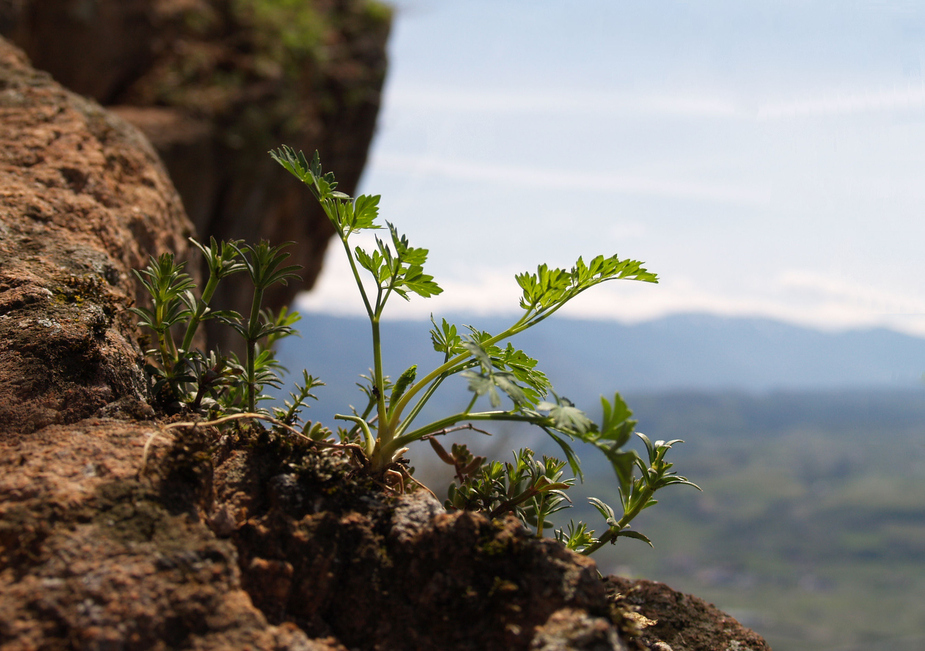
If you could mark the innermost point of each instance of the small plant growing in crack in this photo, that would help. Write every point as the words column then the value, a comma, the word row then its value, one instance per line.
column 496, row 371
column 213, row 382
column 533, row 489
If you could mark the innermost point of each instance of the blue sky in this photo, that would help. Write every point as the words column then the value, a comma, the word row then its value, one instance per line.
column 764, row 158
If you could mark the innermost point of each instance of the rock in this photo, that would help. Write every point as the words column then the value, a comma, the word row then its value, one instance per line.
column 92, row 556
column 98, row 552
column 373, row 571
column 376, row 571
column 680, row 622
column 568, row 630
column 84, row 201
column 215, row 85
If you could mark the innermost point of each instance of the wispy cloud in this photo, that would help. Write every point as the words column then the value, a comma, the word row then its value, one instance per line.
column 704, row 105
column 837, row 102
column 552, row 179
column 557, row 101
column 879, row 301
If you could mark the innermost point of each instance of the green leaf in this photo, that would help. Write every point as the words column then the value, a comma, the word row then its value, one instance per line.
column 370, row 262
column 321, row 184
column 405, row 251
column 635, row 535
column 617, row 424
column 365, row 212
column 420, row 283
column 566, row 416
column 490, row 377
column 481, row 385
column 576, row 537
column 505, row 382
column 445, row 338
column 221, row 258
column 524, row 370
column 605, row 510
column 479, row 353
column 264, row 264
column 573, row 460
column 549, row 289
column 404, row 381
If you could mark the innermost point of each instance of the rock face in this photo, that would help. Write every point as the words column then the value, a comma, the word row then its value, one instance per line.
column 226, row 542
column 680, row 621
column 91, row 557
column 215, row 84
column 118, row 531
column 83, row 200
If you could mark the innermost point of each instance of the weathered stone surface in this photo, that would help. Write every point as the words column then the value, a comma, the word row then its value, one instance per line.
column 227, row 542
column 343, row 558
column 568, row 630
column 83, row 200
column 92, row 556
column 681, row 622
column 215, row 84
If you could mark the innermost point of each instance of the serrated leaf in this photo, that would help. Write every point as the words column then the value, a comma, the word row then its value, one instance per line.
column 566, row 416
column 365, row 212
column 479, row 353
column 617, row 424
column 506, row 383
column 481, row 385
column 420, row 283
column 445, row 338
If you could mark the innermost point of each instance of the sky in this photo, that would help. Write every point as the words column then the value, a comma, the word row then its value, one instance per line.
column 763, row 158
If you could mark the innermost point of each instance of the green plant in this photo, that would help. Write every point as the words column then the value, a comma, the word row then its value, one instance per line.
column 495, row 369
column 186, row 378
column 228, row 389
column 533, row 490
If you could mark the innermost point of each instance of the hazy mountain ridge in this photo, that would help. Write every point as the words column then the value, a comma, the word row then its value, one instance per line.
column 587, row 358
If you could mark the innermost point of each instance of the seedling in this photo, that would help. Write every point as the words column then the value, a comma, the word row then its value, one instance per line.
column 186, row 378
column 229, row 390
column 494, row 369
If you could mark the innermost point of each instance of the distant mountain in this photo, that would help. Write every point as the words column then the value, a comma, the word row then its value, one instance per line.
column 587, row 358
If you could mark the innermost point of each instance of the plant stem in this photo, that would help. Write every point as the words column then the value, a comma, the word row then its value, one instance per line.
column 402, row 441
column 448, row 367
column 511, row 504
column 531, row 317
column 363, row 425
column 423, row 401
column 356, row 274
column 253, row 326
column 385, row 429
column 196, row 318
